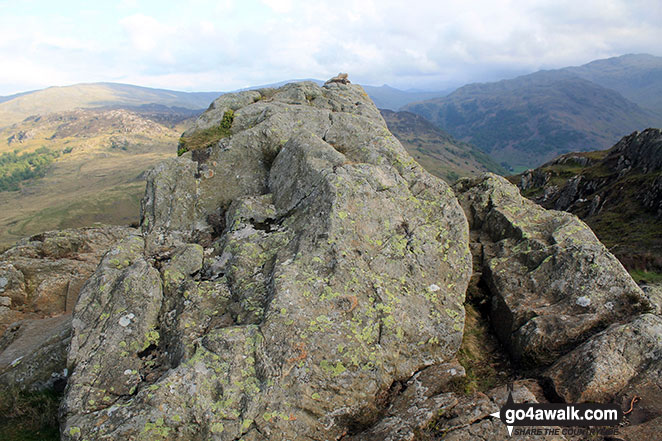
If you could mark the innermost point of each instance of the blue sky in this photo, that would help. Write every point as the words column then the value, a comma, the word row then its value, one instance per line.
column 201, row 45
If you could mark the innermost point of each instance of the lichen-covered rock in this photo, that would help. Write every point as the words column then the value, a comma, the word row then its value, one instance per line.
column 469, row 418
column 114, row 328
column 42, row 275
column 33, row 354
column 306, row 265
column 415, row 404
column 553, row 284
column 602, row 367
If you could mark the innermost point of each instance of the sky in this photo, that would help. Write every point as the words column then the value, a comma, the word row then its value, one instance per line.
column 222, row 45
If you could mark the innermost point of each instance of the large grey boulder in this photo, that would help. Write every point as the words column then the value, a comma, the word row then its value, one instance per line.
column 553, row 284
column 290, row 275
column 599, row 369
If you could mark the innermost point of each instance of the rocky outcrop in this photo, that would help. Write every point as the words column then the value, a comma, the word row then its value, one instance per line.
column 40, row 279
column 622, row 364
column 552, row 283
column 42, row 275
column 600, row 368
column 299, row 277
column 288, row 277
column 618, row 192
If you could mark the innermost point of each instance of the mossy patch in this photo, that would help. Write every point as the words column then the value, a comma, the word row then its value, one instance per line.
column 646, row 276
column 206, row 138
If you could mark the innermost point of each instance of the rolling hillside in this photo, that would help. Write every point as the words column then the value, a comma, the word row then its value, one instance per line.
column 96, row 95
column 95, row 174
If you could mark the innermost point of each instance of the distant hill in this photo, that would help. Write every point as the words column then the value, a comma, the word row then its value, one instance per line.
column 79, row 168
column 387, row 97
column 437, row 151
column 638, row 77
column 531, row 119
column 618, row 192
column 96, row 95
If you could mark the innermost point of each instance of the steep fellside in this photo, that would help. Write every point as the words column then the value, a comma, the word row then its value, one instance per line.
column 436, row 150
column 534, row 118
column 289, row 275
column 638, row 77
column 618, row 192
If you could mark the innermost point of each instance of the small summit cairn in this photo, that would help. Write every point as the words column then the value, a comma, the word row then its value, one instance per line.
column 340, row 78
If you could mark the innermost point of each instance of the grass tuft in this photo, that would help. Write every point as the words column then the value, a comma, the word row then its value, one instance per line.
column 202, row 139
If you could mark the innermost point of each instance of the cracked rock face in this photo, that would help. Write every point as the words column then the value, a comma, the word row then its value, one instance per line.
column 553, row 284
column 287, row 277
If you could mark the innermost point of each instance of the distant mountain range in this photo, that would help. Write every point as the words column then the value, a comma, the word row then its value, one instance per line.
column 384, row 97
column 531, row 119
column 636, row 77
column 17, row 107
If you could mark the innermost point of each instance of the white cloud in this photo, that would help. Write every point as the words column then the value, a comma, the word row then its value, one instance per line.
column 145, row 32
column 221, row 45
column 279, row 6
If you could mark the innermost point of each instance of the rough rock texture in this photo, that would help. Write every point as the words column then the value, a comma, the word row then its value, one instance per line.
column 40, row 279
column 288, row 278
column 623, row 365
column 599, row 369
column 416, row 405
column 468, row 419
column 553, row 284
column 33, row 354
column 41, row 276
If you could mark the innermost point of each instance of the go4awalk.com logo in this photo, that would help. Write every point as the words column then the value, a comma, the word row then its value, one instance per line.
column 559, row 418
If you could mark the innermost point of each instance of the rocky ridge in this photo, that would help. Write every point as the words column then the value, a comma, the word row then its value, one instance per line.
column 618, row 192
column 303, row 278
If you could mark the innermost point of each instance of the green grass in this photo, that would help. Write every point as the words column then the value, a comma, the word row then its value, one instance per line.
column 477, row 355
column 646, row 276
column 205, row 138
column 26, row 416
